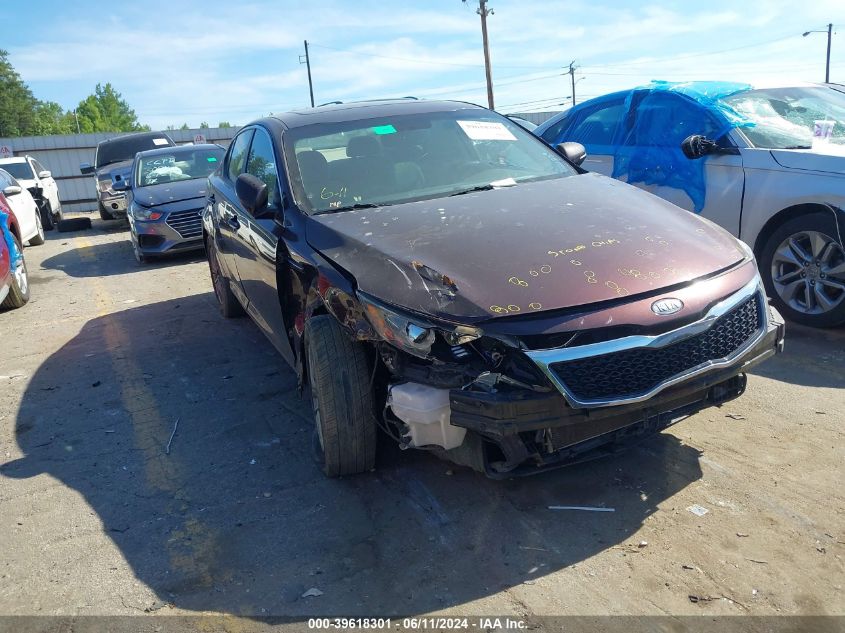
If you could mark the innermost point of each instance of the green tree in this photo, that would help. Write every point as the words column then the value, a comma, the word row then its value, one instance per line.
column 50, row 118
column 17, row 103
column 107, row 111
column 225, row 124
column 204, row 126
column 184, row 127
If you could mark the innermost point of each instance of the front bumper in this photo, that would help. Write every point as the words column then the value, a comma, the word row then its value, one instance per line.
column 527, row 432
column 114, row 203
column 172, row 233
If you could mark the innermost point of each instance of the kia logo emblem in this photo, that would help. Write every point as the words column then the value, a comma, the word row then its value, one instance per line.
column 664, row 307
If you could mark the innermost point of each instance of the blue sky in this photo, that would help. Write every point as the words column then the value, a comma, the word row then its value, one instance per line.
column 189, row 61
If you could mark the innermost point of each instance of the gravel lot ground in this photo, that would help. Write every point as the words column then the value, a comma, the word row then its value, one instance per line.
column 96, row 518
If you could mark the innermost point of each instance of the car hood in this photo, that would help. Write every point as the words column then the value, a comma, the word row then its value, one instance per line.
column 167, row 192
column 830, row 158
column 537, row 246
column 120, row 168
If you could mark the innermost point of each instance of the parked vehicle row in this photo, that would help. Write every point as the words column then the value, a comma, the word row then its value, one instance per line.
column 749, row 163
column 434, row 270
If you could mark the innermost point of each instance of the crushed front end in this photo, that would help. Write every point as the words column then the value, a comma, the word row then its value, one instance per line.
column 517, row 396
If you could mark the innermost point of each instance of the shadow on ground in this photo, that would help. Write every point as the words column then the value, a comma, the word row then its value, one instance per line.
column 115, row 258
column 238, row 518
column 812, row 357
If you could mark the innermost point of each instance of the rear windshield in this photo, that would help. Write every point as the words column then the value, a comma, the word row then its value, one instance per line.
column 126, row 148
column 181, row 164
column 411, row 157
column 19, row 170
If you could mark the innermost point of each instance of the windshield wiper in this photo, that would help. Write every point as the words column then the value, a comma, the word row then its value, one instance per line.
column 798, row 147
column 353, row 207
column 472, row 190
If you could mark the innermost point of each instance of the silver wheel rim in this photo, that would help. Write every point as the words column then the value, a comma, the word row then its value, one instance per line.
column 40, row 227
column 808, row 272
column 20, row 276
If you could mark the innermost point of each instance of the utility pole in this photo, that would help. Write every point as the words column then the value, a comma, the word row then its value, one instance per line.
column 307, row 63
column 827, row 63
column 483, row 11
column 571, row 73
column 75, row 116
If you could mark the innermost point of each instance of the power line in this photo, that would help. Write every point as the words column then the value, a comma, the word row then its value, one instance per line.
column 420, row 61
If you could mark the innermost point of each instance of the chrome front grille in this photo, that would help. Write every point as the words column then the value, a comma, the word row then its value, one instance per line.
column 635, row 371
column 188, row 224
column 635, row 368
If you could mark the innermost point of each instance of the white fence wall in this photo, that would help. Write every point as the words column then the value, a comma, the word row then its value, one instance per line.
column 63, row 154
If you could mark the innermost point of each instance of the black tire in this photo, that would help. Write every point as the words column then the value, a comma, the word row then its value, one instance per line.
column 105, row 214
column 798, row 228
column 230, row 307
column 46, row 215
column 73, row 224
column 18, row 295
column 339, row 381
column 39, row 239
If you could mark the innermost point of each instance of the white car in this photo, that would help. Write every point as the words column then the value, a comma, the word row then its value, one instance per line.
column 31, row 175
column 26, row 211
column 771, row 170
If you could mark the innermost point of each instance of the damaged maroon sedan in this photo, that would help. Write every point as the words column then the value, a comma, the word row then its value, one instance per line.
column 434, row 270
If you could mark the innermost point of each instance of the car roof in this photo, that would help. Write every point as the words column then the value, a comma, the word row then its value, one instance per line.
column 355, row 110
column 179, row 148
column 136, row 135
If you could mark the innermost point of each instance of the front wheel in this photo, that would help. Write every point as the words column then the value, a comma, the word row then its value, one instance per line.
column 38, row 240
column 105, row 214
column 230, row 307
column 803, row 265
column 339, row 381
column 47, row 217
column 19, row 290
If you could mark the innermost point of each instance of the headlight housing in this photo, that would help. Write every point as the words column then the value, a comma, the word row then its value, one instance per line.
column 144, row 214
column 104, row 185
column 409, row 333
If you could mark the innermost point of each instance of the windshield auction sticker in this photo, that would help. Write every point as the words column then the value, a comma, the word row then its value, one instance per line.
column 486, row 131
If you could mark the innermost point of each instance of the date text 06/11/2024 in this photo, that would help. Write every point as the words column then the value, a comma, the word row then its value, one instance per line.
column 418, row 623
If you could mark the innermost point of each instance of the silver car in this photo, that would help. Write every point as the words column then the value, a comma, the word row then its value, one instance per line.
column 165, row 196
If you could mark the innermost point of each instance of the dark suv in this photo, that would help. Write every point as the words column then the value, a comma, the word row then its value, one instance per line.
column 433, row 269
column 113, row 164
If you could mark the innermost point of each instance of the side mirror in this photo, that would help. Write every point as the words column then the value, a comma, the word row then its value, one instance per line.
column 698, row 146
column 252, row 192
column 45, row 174
column 86, row 169
column 121, row 185
column 12, row 190
column 575, row 153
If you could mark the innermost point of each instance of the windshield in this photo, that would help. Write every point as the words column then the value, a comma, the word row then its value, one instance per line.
column 125, row 149
column 19, row 170
column 182, row 164
column 784, row 118
column 414, row 157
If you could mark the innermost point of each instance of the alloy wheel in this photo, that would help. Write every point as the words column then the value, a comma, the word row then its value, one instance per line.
column 808, row 272
column 21, row 278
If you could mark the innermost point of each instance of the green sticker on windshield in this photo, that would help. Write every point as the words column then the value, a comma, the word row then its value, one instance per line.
column 384, row 129
column 212, row 159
